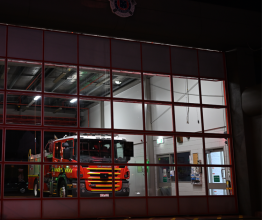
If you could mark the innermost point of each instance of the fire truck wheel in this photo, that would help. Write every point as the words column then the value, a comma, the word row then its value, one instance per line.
column 62, row 189
column 36, row 192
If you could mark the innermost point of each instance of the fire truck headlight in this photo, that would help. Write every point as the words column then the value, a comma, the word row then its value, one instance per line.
column 125, row 185
column 82, row 185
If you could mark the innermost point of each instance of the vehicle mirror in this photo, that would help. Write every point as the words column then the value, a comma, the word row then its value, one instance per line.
column 128, row 149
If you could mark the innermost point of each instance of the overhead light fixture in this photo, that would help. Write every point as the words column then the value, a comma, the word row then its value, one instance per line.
column 31, row 103
column 118, row 82
column 37, row 97
column 73, row 100
column 59, row 77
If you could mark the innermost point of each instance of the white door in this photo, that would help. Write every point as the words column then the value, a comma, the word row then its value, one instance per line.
column 217, row 176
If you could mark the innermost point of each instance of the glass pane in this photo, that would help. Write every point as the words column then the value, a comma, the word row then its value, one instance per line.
column 1, row 107
column 60, row 47
column 130, row 181
column 156, row 58
column 60, row 111
column 94, row 51
column 211, row 64
column 220, row 182
column 95, row 148
column 215, row 120
column 218, row 151
column 25, row 43
column 2, row 73
column 160, row 149
column 161, row 180
column 24, row 75
column 126, row 84
column 60, row 146
column 213, row 92
column 122, row 59
column 157, row 87
column 20, row 181
column 129, row 148
column 128, row 115
column 94, row 82
column 158, row 117
column 26, row 146
column 60, row 79
column 23, row 109
column 186, row 90
column 188, row 119
column 189, row 150
column 184, row 61
column 60, row 180
column 95, row 114
column 2, row 40
column 191, row 181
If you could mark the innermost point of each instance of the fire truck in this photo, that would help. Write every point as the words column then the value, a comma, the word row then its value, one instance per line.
column 95, row 180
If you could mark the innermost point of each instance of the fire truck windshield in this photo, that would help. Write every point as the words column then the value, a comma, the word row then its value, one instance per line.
column 99, row 150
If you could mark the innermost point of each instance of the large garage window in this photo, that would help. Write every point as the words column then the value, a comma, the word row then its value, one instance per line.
column 91, row 120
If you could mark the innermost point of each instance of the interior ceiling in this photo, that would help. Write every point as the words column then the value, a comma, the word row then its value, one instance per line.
column 63, row 80
column 217, row 24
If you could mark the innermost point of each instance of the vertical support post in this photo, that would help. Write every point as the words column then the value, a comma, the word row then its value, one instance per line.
column 102, row 114
column 203, row 138
column 149, row 141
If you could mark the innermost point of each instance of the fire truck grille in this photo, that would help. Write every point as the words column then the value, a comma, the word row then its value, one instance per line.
column 100, row 179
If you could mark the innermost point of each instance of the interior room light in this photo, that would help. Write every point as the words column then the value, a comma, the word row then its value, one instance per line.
column 37, row 97
column 118, row 82
column 73, row 100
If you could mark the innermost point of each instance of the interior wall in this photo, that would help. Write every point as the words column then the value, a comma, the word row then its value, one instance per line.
column 161, row 121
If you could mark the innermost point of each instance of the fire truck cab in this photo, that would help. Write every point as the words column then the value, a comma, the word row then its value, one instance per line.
column 95, row 180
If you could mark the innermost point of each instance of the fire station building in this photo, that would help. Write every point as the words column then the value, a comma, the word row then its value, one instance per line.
column 128, row 108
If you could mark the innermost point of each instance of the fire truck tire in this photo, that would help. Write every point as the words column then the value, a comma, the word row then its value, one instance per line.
column 62, row 189
column 36, row 191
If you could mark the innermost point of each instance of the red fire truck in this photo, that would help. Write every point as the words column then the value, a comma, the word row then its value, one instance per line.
column 95, row 180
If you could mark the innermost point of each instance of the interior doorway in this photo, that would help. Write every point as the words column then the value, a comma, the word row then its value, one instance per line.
column 218, row 177
column 166, row 176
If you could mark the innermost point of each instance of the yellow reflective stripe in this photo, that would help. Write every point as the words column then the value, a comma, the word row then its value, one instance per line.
column 106, row 185
column 97, row 177
column 104, row 190
column 102, row 168
column 32, row 175
column 101, row 173
column 91, row 181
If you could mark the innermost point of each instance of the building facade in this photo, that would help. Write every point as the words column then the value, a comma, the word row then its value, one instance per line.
column 76, row 107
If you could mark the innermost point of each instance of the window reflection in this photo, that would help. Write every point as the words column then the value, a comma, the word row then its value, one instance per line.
column 24, row 75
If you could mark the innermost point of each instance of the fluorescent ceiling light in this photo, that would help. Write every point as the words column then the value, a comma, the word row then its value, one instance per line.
column 73, row 100
column 118, row 82
column 37, row 97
